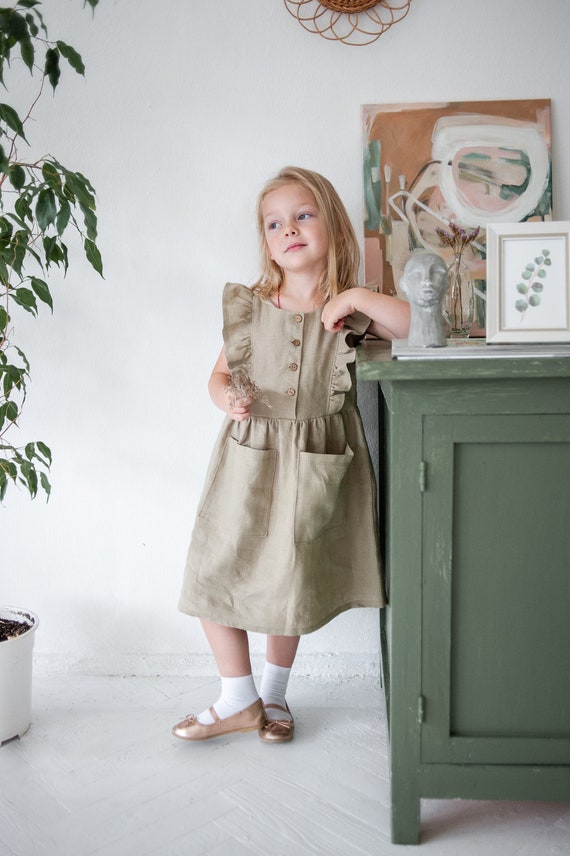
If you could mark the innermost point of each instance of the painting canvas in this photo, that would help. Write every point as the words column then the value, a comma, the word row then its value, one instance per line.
column 471, row 162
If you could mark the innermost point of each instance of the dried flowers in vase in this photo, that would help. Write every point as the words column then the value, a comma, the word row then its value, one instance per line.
column 459, row 302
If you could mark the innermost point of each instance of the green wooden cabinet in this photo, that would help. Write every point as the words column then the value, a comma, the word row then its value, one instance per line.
column 475, row 478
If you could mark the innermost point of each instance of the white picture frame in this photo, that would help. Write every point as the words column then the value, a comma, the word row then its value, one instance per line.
column 528, row 282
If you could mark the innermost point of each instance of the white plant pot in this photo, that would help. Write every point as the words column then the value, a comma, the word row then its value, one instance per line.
column 16, row 656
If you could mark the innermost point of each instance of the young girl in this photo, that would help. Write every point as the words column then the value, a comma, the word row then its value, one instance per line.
column 285, row 537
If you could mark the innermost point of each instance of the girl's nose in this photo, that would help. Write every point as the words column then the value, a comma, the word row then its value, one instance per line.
column 291, row 229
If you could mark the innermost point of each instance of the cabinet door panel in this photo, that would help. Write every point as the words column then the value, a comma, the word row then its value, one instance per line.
column 496, row 589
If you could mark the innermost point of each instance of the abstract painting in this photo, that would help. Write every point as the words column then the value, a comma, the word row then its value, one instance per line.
column 470, row 162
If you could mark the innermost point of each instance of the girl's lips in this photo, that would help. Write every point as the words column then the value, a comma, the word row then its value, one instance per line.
column 294, row 247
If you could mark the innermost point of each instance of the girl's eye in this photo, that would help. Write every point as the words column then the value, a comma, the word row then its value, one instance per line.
column 304, row 216
column 273, row 225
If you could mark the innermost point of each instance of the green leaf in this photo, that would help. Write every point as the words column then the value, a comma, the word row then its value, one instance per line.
column 30, row 451
column 541, row 274
column 6, row 229
column 539, row 260
column 530, row 267
column 4, row 162
column 521, row 305
column 23, row 208
column 90, row 220
column 93, row 256
column 62, row 219
column 45, row 451
column 72, row 57
column 46, row 210
column 32, row 25
column 526, row 274
column 46, row 485
column 79, row 188
column 25, row 298
column 23, row 357
column 4, row 319
column 11, row 118
column 27, row 52
column 546, row 252
column 13, row 379
column 534, row 300
column 42, row 291
column 51, row 69
column 18, row 249
column 537, row 286
column 54, row 252
column 548, row 262
column 17, row 176
column 13, row 24
column 11, row 411
column 522, row 288
column 7, row 466
column 29, row 477
column 28, row 4
column 51, row 176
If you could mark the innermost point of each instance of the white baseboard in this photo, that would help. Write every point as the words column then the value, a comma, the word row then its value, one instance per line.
column 334, row 666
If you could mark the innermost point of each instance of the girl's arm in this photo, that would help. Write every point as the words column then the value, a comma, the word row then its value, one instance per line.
column 390, row 315
column 219, row 389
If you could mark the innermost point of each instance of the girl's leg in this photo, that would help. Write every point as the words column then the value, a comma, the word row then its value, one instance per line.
column 230, row 647
column 280, row 655
column 281, row 650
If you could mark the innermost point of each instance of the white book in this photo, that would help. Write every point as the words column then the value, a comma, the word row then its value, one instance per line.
column 475, row 349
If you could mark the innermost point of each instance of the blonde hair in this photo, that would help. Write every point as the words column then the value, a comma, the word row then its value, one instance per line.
column 343, row 257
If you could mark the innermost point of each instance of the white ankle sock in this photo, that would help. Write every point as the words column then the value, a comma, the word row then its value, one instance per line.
column 273, row 688
column 237, row 694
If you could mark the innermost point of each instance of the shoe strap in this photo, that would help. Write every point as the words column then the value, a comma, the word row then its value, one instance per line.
column 278, row 707
column 214, row 715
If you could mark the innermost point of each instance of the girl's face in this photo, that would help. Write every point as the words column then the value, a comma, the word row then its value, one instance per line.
column 295, row 230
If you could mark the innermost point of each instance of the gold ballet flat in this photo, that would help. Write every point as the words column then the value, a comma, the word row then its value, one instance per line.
column 278, row 730
column 251, row 719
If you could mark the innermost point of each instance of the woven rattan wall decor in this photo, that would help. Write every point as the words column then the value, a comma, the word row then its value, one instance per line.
column 354, row 22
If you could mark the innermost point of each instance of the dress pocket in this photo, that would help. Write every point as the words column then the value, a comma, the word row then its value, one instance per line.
column 320, row 503
column 239, row 496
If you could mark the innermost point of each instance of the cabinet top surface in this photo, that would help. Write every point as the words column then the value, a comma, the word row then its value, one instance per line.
column 374, row 362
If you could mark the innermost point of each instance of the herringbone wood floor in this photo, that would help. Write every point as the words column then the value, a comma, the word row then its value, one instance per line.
column 99, row 774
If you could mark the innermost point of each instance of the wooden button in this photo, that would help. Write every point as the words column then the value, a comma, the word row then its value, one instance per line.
column 298, row 318
column 296, row 342
column 293, row 367
column 290, row 391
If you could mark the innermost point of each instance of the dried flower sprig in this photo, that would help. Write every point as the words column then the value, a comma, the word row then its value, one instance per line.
column 457, row 238
column 242, row 386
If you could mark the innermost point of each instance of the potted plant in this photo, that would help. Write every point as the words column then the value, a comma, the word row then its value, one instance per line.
column 41, row 201
column 17, row 631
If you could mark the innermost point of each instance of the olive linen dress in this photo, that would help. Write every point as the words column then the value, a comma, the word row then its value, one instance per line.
column 285, row 536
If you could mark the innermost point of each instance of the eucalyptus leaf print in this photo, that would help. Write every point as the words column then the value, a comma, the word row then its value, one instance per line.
column 532, row 283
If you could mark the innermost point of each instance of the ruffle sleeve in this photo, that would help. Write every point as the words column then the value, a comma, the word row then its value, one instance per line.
column 354, row 330
column 237, row 307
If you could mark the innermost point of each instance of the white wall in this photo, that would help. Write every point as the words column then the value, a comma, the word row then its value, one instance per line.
column 182, row 116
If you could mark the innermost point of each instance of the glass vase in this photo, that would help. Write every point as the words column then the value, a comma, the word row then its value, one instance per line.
column 459, row 300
